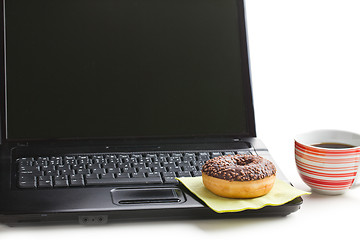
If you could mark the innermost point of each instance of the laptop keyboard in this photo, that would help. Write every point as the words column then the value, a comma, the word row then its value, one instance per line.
column 111, row 169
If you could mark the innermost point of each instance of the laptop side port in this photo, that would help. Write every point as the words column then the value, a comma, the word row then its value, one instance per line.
column 93, row 220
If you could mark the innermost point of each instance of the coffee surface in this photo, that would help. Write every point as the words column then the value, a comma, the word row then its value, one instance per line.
column 333, row 145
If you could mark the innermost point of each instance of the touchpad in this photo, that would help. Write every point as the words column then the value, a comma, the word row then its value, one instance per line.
column 122, row 196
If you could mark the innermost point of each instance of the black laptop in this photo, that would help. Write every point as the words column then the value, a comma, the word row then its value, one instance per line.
column 105, row 102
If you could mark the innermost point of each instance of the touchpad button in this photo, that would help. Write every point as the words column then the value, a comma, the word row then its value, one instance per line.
column 121, row 196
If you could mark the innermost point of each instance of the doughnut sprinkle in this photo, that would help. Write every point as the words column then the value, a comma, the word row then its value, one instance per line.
column 239, row 167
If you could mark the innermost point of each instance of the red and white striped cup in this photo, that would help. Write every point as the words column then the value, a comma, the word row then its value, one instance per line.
column 328, row 171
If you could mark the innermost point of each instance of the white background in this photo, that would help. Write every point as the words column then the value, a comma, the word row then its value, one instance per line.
column 305, row 61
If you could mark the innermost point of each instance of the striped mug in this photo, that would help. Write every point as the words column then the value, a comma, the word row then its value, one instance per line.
column 328, row 160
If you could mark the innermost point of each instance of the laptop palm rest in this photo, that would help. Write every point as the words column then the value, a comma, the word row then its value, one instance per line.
column 121, row 196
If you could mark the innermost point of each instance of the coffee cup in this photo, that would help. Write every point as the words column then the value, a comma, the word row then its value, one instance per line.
column 328, row 160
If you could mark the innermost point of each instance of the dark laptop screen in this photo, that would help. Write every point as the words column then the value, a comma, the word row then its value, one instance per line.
column 120, row 68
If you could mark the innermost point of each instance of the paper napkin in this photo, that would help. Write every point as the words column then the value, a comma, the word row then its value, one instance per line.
column 281, row 193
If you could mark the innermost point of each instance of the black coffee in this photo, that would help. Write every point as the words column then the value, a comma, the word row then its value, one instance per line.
column 333, row 145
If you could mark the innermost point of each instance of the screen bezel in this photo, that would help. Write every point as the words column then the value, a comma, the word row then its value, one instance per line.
column 250, row 120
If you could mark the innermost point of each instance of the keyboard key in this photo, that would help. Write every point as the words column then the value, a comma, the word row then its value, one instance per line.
column 91, row 176
column 82, row 158
column 189, row 155
column 99, row 161
column 189, row 168
column 44, row 178
column 173, row 159
column 124, row 181
column 93, row 166
column 25, row 162
column 168, row 174
column 55, row 161
column 124, row 156
column 122, row 175
column 173, row 169
column 113, row 170
column 184, row 163
column 152, row 164
column 151, row 155
column 110, row 156
column 26, row 181
column 29, row 168
column 216, row 154
column 204, row 156
column 41, row 161
column 31, row 173
column 78, row 166
column 76, row 176
column 143, row 170
column 76, row 180
column 115, row 161
column 184, row 174
column 98, row 170
column 82, row 171
column 45, row 182
column 128, row 170
column 106, row 175
column 153, row 174
column 158, row 169
column 138, row 175
column 26, row 184
column 199, row 163
column 77, row 183
column 70, row 161
column 67, row 172
column 108, row 165
column 52, row 172
column 47, row 167
column 62, row 167
column 170, row 180
column 61, row 181
column 196, row 173
column 84, row 161
column 168, row 164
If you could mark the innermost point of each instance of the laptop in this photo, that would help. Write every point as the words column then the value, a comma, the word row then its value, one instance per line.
column 104, row 103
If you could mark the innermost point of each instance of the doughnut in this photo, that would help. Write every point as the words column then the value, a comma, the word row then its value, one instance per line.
column 239, row 176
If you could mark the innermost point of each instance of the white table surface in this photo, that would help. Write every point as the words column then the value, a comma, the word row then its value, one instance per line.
column 305, row 60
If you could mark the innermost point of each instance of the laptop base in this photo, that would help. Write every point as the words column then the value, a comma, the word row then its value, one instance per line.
column 100, row 218
column 108, row 204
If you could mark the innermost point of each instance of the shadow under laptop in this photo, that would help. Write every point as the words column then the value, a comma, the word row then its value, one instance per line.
column 220, row 225
column 204, row 225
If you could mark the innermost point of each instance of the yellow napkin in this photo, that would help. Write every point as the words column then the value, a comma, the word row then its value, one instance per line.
column 281, row 193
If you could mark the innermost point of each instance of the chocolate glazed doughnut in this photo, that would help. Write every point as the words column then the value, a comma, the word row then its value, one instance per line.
column 239, row 176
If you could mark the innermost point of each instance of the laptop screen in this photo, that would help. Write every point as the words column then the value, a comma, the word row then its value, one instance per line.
column 124, row 68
